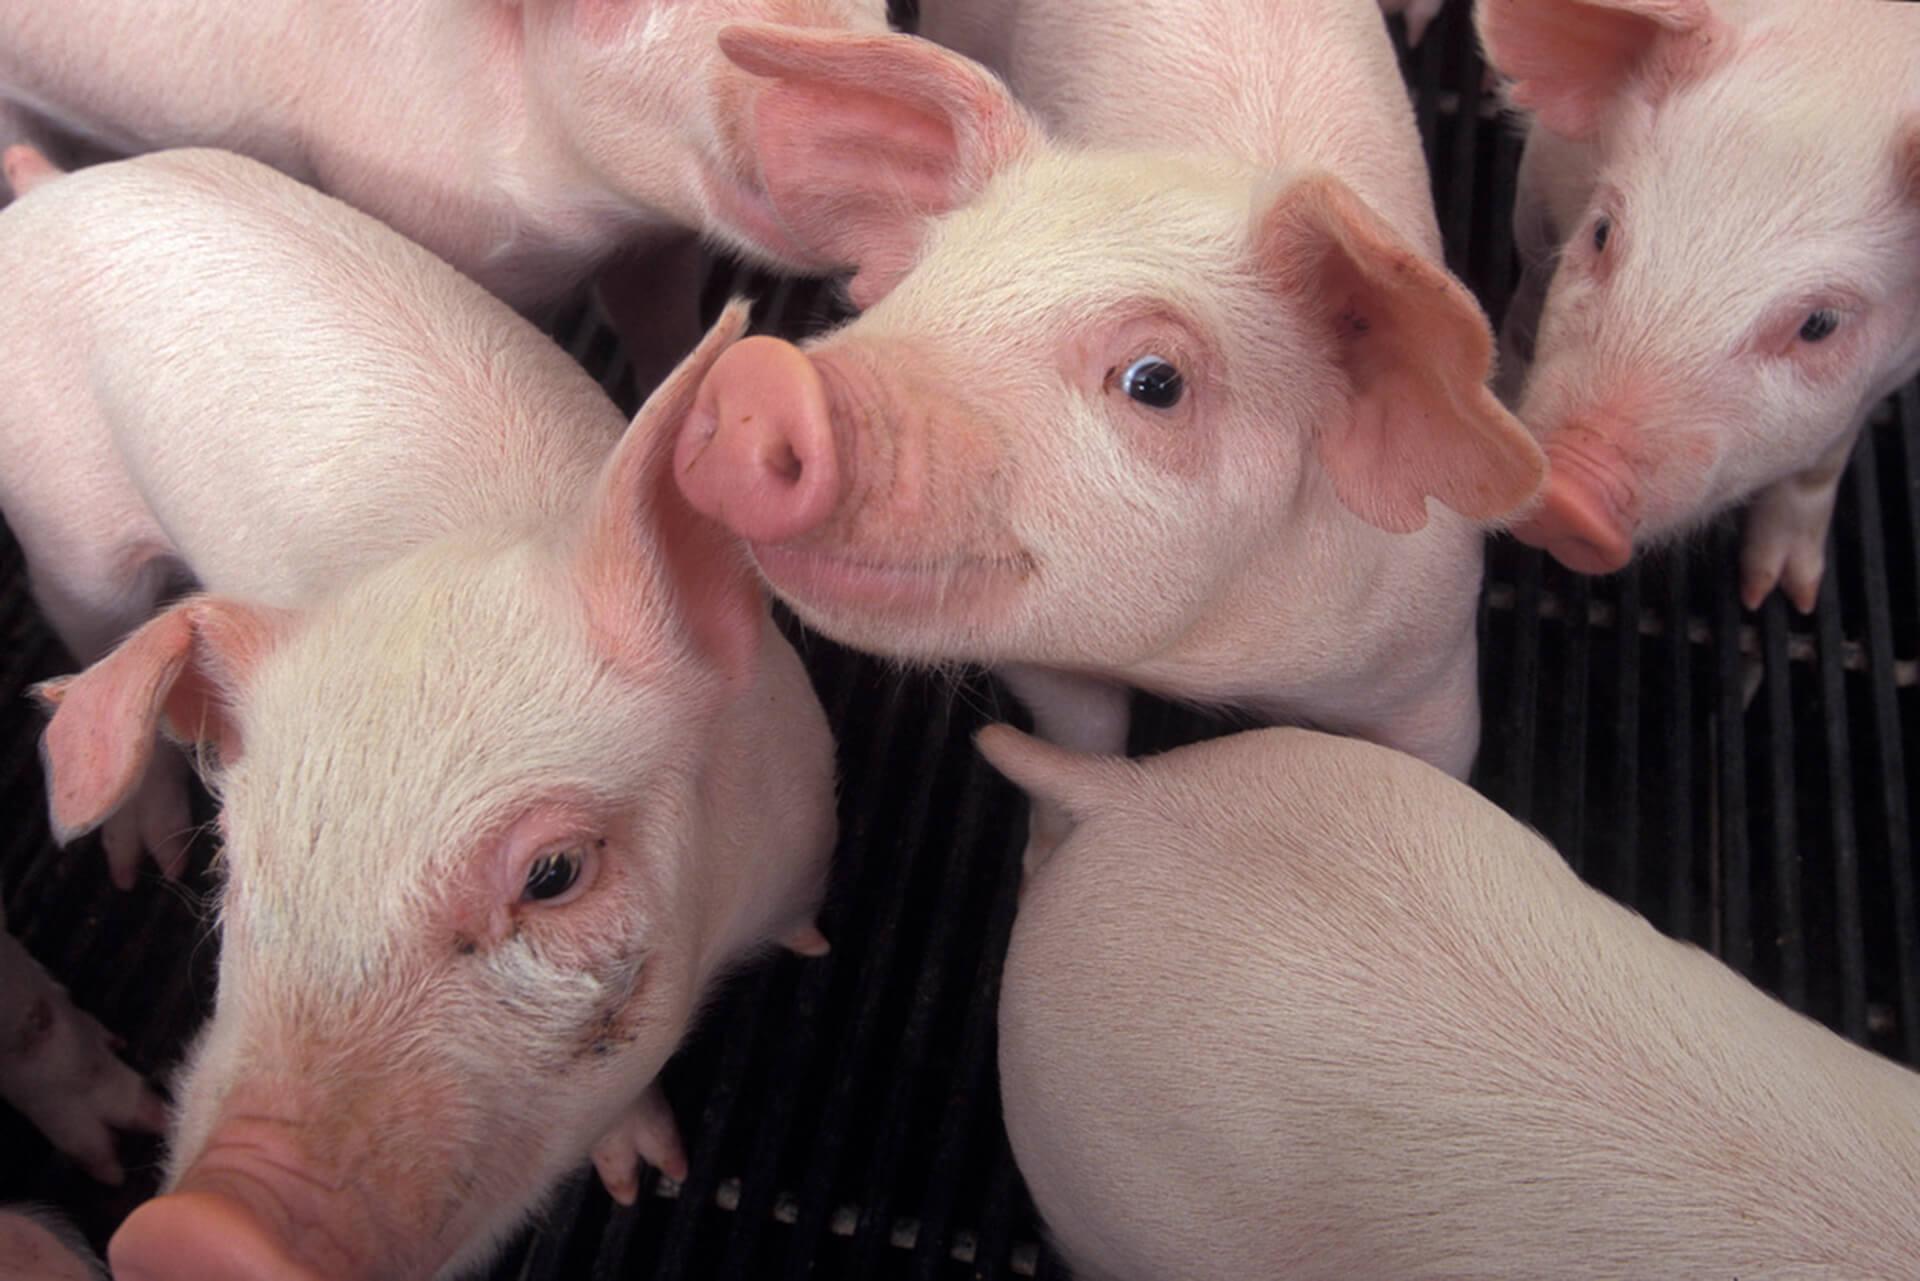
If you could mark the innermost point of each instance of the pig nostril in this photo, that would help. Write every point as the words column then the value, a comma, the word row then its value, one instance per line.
column 784, row 463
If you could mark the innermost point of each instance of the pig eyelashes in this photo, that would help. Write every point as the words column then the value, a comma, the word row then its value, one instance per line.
column 1820, row 325
column 561, row 874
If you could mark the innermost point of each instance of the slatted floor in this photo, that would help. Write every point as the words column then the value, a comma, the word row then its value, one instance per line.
column 1742, row 779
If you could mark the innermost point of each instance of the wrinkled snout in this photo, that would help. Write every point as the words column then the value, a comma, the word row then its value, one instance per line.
column 254, row 1207
column 1589, row 509
column 758, row 453
column 200, row 1236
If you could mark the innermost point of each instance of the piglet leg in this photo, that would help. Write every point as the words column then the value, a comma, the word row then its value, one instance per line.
column 58, row 1066
column 645, row 1131
column 156, row 820
column 1786, row 534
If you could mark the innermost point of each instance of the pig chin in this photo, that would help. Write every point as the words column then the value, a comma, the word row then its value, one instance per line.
column 930, row 607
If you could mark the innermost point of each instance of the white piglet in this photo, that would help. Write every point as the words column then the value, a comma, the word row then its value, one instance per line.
column 1121, row 416
column 511, row 759
column 526, row 143
column 1725, row 198
column 1291, row 1006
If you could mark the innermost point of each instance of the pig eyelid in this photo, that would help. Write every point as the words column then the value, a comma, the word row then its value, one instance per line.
column 1602, row 232
column 560, row 873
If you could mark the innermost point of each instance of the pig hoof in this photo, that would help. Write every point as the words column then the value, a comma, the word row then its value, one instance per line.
column 26, row 167
column 807, row 941
column 1795, row 569
column 646, row 1131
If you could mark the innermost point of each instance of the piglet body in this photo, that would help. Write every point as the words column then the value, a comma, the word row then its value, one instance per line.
column 1288, row 1006
column 511, row 760
column 524, row 143
column 1153, row 395
column 1718, row 211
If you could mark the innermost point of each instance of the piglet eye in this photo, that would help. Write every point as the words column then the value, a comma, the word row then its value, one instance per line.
column 1602, row 229
column 552, row 875
column 1820, row 326
column 1153, row 382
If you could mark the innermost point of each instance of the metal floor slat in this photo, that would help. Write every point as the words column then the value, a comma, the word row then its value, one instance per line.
column 842, row 1114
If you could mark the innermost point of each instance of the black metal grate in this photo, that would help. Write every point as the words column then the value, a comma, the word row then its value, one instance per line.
column 1741, row 779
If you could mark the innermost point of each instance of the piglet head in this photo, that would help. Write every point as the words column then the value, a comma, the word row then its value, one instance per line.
column 493, row 817
column 637, row 93
column 1092, row 395
column 1740, row 280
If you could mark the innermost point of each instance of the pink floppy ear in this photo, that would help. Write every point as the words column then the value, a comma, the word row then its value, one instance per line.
column 648, row 559
column 1570, row 59
column 862, row 138
column 180, row 673
column 1416, row 350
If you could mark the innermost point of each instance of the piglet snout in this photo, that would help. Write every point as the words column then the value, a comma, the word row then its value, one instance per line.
column 201, row 1236
column 757, row 453
column 1588, row 511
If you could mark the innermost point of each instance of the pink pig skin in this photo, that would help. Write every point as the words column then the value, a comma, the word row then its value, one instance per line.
column 1290, row 1006
column 1725, row 197
column 958, row 475
column 523, row 142
column 467, row 640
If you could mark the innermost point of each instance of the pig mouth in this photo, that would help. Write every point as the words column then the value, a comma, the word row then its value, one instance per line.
column 822, row 579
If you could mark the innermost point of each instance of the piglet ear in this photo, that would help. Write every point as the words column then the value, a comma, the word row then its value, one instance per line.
column 1416, row 350
column 181, row 673
column 656, row 574
column 1569, row 60
column 862, row 138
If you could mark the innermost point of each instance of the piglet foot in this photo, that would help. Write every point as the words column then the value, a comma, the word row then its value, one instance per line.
column 1420, row 14
column 60, row 1068
column 1782, row 549
column 645, row 1131
column 26, row 167
column 806, row 940
column 155, row 820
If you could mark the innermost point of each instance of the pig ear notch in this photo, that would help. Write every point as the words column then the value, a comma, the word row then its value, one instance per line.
column 1569, row 60
column 1416, row 351
column 862, row 138
column 643, row 539
column 178, row 673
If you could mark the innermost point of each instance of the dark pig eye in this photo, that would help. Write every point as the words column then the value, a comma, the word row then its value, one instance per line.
column 1820, row 326
column 552, row 875
column 1601, row 230
column 1153, row 382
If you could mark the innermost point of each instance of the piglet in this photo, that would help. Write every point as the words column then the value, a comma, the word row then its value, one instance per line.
column 58, row 1067
column 511, row 759
column 36, row 1245
column 1117, row 417
column 1725, row 197
column 1285, row 1005
column 523, row 142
